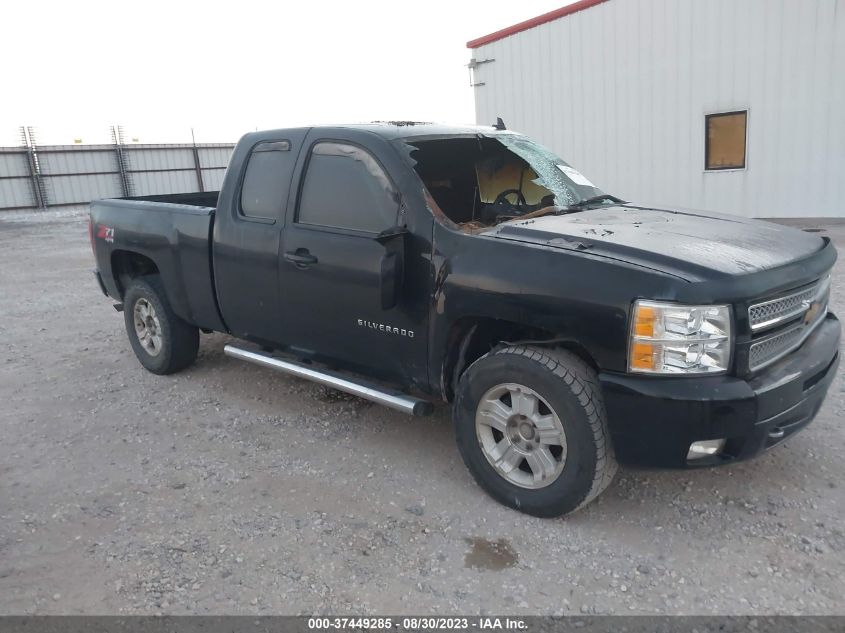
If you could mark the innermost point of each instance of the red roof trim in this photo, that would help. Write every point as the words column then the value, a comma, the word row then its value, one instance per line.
column 530, row 24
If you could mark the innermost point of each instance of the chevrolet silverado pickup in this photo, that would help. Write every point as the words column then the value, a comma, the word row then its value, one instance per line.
column 415, row 263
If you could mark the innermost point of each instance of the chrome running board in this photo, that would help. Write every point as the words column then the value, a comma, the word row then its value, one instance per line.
column 368, row 391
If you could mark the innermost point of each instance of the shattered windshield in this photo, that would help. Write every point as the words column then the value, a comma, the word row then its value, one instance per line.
column 479, row 181
column 565, row 183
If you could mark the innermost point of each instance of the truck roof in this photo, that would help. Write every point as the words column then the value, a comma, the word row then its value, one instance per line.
column 406, row 129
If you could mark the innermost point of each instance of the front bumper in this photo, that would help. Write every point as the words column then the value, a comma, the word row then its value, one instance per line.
column 653, row 420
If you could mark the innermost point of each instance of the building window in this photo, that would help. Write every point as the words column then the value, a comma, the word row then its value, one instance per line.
column 725, row 140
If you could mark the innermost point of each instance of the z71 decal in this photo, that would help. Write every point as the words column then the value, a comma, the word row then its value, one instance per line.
column 105, row 233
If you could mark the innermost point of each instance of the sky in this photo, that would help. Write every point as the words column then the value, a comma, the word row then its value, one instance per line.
column 72, row 69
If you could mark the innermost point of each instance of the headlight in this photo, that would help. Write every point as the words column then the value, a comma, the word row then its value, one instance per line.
column 668, row 338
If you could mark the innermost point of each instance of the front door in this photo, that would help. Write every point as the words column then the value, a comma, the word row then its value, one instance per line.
column 330, row 269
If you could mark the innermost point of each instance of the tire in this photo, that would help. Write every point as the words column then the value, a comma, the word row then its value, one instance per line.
column 562, row 395
column 169, row 344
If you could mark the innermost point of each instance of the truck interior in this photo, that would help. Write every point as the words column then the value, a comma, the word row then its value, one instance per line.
column 478, row 182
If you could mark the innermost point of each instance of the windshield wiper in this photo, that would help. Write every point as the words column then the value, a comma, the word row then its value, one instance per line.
column 595, row 200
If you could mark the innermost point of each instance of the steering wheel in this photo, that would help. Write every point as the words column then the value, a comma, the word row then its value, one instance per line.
column 502, row 198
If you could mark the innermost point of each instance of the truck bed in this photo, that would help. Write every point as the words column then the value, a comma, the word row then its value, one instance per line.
column 199, row 199
column 170, row 232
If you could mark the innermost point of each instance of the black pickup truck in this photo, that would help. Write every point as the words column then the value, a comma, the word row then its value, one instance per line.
column 411, row 263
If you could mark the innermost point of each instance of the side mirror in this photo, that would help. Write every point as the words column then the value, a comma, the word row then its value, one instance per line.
column 392, row 265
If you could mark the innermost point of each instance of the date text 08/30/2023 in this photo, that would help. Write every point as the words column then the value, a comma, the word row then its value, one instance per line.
column 417, row 623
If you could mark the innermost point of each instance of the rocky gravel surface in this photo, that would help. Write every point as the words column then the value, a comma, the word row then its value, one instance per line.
column 230, row 489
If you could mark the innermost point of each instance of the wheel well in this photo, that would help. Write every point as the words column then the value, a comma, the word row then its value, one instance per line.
column 471, row 338
column 126, row 266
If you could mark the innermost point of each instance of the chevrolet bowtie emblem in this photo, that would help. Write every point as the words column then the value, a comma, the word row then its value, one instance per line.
column 812, row 311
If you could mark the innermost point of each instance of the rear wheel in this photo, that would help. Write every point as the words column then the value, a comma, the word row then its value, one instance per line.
column 162, row 342
column 531, row 427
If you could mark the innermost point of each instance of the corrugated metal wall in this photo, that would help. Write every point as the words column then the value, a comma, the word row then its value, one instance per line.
column 77, row 174
column 620, row 90
column 213, row 160
column 15, row 182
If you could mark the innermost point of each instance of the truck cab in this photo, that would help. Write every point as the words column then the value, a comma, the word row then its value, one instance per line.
column 317, row 210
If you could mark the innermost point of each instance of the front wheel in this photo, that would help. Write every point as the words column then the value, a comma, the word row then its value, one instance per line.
column 162, row 342
column 531, row 427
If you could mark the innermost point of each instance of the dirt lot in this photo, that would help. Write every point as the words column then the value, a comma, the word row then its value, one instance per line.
column 231, row 489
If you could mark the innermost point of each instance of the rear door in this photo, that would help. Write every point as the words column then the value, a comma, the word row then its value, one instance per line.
column 248, row 239
column 331, row 265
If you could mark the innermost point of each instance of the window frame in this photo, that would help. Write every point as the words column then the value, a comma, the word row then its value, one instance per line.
column 339, row 229
column 240, row 208
column 722, row 113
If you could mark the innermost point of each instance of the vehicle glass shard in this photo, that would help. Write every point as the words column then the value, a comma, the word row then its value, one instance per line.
column 567, row 184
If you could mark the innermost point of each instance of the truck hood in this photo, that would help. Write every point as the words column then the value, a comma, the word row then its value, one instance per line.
column 690, row 244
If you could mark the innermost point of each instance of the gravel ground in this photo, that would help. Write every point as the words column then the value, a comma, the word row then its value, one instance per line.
column 231, row 489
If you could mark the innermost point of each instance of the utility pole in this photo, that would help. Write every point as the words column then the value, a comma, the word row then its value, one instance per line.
column 197, row 165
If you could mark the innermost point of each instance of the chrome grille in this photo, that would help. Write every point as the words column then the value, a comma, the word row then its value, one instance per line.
column 768, row 348
column 770, row 313
column 773, row 347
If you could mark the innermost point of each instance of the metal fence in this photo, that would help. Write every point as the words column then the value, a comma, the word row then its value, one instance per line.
column 33, row 176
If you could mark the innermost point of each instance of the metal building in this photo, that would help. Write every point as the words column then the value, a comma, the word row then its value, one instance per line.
column 727, row 105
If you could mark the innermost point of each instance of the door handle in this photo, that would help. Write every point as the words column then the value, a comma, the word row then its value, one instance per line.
column 301, row 258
